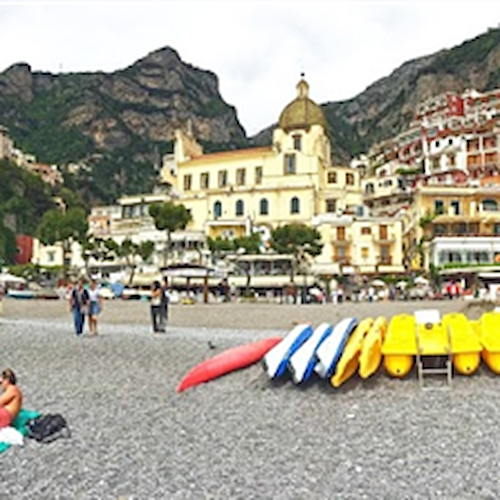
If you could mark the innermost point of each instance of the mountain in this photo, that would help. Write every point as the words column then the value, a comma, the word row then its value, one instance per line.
column 386, row 107
column 120, row 123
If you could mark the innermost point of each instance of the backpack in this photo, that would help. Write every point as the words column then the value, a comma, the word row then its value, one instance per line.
column 48, row 428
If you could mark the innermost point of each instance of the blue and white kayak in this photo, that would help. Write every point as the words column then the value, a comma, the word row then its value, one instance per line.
column 329, row 352
column 276, row 360
column 302, row 362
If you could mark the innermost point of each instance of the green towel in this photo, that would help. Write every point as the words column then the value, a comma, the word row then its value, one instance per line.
column 21, row 424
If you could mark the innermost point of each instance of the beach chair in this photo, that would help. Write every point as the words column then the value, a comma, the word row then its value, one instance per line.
column 434, row 356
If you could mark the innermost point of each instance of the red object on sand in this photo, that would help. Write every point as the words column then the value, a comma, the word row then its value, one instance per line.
column 228, row 361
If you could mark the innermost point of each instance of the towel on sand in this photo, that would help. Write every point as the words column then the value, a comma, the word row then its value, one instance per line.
column 21, row 424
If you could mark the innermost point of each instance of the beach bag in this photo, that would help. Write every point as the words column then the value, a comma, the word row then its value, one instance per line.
column 48, row 428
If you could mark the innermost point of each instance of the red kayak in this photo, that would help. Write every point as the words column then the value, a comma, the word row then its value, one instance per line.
column 228, row 361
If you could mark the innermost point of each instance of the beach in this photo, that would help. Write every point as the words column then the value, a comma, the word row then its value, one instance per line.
column 240, row 436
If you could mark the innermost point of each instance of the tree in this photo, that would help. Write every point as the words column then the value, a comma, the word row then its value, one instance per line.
column 298, row 240
column 169, row 217
column 8, row 247
column 65, row 228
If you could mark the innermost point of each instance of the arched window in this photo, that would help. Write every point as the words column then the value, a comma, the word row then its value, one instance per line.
column 217, row 209
column 264, row 207
column 240, row 207
column 490, row 205
column 295, row 205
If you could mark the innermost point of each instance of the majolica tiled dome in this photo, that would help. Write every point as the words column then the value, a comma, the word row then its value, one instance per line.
column 302, row 112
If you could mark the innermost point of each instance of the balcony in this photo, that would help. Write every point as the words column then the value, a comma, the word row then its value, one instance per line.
column 342, row 243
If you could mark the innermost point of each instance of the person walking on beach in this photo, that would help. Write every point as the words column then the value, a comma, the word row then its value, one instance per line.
column 165, row 301
column 11, row 400
column 79, row 300
column 156, row 312
column 95, row 306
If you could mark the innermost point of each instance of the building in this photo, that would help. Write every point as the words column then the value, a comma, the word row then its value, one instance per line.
column 6, row 144
column 293, row 180
column 233, row 193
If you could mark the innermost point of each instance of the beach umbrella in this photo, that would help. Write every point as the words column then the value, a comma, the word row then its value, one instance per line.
column 378, row 282
column 420, row 280
column 11, row 279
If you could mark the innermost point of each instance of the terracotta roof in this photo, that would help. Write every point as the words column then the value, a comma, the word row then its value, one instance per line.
column 229, row 155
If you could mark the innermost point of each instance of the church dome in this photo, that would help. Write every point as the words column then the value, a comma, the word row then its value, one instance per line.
column 302, row 112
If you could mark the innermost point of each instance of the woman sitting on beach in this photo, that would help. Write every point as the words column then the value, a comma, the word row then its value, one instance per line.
column 95, row 306
column 11, row 400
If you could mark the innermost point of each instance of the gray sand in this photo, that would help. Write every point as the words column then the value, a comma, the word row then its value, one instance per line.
column 241, row 436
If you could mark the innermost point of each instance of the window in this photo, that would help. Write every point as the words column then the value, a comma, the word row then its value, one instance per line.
column 369, row 188
column 331, row 205
column 297, row 142
column 332, row 177
column 222, row 178
column 290, row 167
column 364, row 252
column 258, row 175
column 240, row 207
column 349, row 179
column 217, row 209
column 490, row 205
column 240, row 176
column 295, row 205
column 341, row 233
column 51, row 256
column 187, row 182
column 438, row 207
column 366, row 230
column 204, row 180
column 455, row 207
column 264, row 207
column 383, row 232
column 496, row 228
column 451, row 160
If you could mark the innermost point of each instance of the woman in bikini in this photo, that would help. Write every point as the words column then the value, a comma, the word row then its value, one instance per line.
column 11, row 400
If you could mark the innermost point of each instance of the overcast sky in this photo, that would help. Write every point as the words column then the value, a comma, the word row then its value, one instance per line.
column 257, row 48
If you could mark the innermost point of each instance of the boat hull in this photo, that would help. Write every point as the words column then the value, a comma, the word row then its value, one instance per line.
column 228, row 361
column 329, row 352
column 349, row 361
column 276, row 360
column 370, row 357
column 302, row 362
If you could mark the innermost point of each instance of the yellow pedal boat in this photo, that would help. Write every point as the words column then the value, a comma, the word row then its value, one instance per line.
column 370, row 357
column 349, row 360
column 488, row 330
column 454, row 334
column 465, row 346
column 400, row 345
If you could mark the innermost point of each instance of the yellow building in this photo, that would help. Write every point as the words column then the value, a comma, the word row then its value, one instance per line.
column 233, row 193
column 360, row 244
column 456, row 226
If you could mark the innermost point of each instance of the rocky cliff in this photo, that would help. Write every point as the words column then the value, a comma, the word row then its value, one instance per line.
column 386, row 107
column 120, row 122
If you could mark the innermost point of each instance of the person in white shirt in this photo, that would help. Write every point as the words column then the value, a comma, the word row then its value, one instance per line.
column 95, row 306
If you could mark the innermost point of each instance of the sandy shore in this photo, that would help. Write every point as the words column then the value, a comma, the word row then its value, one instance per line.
column 234, row 314
column 241, row 436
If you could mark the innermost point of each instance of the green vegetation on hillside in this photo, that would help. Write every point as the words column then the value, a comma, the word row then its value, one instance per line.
column 24, row 198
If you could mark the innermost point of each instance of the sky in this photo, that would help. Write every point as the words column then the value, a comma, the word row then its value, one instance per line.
column 258, row 48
